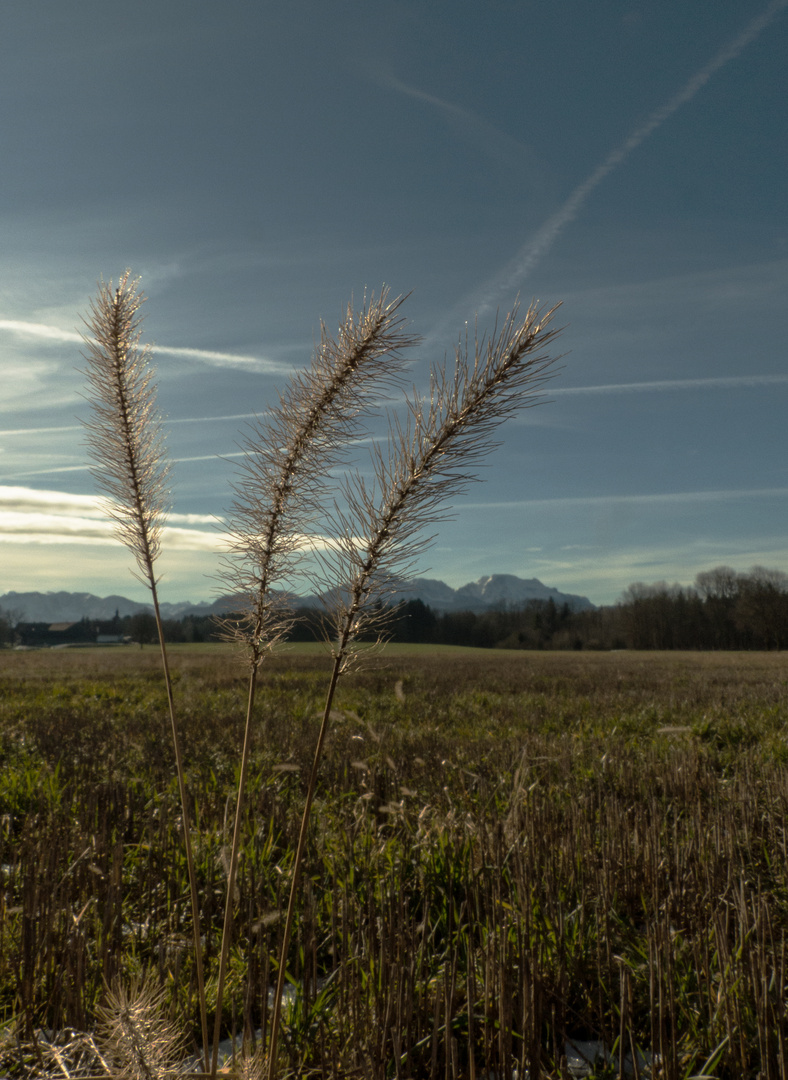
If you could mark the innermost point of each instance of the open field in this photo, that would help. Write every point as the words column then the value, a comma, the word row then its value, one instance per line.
column 508, row 851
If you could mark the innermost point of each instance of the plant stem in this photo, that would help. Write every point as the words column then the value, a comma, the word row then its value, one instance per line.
column 299, row 857
column 125, row 442
column 187, row 833
column 231, row 874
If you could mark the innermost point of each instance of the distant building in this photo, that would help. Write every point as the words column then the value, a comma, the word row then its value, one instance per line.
column 47, row 635
column 41, row 635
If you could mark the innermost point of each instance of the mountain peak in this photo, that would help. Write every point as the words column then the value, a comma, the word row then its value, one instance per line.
column 490, row 591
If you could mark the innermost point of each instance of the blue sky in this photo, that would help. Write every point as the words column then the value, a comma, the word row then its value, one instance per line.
column 258, row 165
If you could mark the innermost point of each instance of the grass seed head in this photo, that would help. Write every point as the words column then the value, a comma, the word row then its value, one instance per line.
column 136, row 1035
column 124, row 433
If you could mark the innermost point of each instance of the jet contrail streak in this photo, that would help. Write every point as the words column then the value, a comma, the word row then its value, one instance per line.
column 528, row 256
column 659, row 498
column 222, row 359
column 219, row 359
column 718, row 382
column 167, row 420
column 715, row 382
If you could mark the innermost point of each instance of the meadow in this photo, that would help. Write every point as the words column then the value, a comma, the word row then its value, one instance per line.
column 511, row 856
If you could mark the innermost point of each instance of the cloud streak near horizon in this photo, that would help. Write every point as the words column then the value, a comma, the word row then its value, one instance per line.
column 31, row 516
column 25, row 499
column 39, row 517
column 537, row 247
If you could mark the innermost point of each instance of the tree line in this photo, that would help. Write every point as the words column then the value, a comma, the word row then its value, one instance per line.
column 722, row 610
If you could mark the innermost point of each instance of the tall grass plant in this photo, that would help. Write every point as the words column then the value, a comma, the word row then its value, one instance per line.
column 516, row 855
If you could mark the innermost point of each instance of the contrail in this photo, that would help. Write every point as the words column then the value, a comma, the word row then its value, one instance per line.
column 713, row 382
column 40, row 330
column 656, row 499
column 218, row 359
column 490, row 138
column 212, row 419
column 718, row 382
column 529, row 255
column 223, row 359
column 167, row 421
column 42, row 430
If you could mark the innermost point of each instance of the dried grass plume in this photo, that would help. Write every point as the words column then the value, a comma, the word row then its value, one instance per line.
column 288, row 454
column 125, row 437
column 137, row 1037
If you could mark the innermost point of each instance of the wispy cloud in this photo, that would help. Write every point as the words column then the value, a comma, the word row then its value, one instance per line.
column 50, row 470
column 603, row 573
column 754, row 286
column 32, row 516
column 31, row 499
column 538, row 246
column 44, row 332
column 486, row 136
column 212, row 457
column 213, row 419
column 658, row 498
column 38, row 330
column 84, row 467
column 223, row 359
column 40, row 430
column 720, row 382
column 56, row 430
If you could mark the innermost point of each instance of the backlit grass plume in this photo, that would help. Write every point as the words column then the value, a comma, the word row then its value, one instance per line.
column 125, row 438
column 289, row 453
column 280, row 496
column 131, row 467
column 138, row 1039
column 380, row 532
column 428, row 460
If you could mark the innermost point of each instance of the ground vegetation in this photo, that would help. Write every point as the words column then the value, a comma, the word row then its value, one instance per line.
column 511, row 854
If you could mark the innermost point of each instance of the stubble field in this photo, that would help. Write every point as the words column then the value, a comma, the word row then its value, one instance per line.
column 512, row 855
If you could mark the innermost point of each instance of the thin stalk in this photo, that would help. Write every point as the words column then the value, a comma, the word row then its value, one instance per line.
column 195, row 902
column 280, row 495
column 231, row 872
column 131, row 467
column 299, row 858
column 427, row 465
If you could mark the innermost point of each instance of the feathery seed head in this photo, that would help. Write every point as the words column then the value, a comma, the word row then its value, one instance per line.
column 282, row 485
column 431, row 457
column 124, row 433
column 137, row 1036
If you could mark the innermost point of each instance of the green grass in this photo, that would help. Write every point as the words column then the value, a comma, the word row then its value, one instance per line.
column 507, row 850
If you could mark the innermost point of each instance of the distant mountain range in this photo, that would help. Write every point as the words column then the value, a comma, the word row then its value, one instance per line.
column 71, row 607
column 491, row 592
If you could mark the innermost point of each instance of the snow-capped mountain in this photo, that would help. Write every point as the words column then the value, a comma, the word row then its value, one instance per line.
column 492, row 591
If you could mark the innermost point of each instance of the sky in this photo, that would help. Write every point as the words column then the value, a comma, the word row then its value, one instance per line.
column 259, row 166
